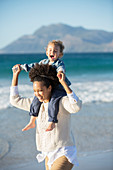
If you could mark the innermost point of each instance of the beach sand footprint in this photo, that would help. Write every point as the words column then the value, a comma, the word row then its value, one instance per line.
column 4, row 147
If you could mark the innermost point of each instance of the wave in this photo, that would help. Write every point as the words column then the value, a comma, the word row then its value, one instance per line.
column 24, row 90
column 97, row 91
column 88, row 92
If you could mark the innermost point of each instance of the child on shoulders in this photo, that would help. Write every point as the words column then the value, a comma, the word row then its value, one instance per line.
column 54, row 52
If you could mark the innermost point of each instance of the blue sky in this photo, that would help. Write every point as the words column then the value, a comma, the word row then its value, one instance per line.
column 20, row 17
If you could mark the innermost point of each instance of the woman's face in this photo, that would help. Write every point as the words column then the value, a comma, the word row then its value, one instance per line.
column 41, row 91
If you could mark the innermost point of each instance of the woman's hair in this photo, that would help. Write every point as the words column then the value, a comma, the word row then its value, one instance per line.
column 45, row 73
column 57, row 43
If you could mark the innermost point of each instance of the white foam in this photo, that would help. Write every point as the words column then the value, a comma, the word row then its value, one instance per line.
column 88, row 92
column 25, row 90
column 97, row 91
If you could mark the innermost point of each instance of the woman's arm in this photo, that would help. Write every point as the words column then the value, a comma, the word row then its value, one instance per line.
column 71, row 103
column 61, row 78
column 15, row 99
column 16, row 71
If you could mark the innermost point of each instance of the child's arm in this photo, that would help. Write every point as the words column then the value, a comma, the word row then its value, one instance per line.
column 60, row 66
column 27, row 67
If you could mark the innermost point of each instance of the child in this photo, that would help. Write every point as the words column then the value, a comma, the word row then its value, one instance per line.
column 54, row 51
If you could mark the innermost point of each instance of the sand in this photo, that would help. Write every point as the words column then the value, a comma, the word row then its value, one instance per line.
column 102, row 161
column 93, row 131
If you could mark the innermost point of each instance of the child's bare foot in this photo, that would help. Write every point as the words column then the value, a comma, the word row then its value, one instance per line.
column 29, row 126
column 51, row 126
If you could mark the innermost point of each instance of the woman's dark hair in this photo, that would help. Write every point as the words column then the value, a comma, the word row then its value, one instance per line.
column 45, row 73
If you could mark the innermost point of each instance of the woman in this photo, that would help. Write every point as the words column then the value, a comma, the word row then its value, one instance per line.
column 57, row 146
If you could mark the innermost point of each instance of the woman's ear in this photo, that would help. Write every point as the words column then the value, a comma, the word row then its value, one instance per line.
column 50, row 88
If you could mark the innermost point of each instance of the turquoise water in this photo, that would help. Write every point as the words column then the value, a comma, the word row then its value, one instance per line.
column 76, row 64
column 91, row 75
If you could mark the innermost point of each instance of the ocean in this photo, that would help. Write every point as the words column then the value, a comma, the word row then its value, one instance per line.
column 91, row 75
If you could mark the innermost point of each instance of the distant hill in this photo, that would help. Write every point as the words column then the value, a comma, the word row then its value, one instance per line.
column 75, row 39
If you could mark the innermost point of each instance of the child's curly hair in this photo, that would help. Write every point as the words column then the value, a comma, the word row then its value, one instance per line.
column 57, row 43
column 45, row 73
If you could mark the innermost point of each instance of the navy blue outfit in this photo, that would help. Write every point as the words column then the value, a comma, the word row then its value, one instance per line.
column 57, row 93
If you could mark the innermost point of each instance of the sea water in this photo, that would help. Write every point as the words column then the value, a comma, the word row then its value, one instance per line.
column 91, row 75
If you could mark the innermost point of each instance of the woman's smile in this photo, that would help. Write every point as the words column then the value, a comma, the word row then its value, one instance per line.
column 41, row 91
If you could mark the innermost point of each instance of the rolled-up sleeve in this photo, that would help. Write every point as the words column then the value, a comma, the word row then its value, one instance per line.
column 14, row 90
column 71, row 103
column 72, row 98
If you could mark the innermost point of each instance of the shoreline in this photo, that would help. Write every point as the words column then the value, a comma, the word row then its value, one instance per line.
column 92, row 128
column 4, row 148
column 99, row 161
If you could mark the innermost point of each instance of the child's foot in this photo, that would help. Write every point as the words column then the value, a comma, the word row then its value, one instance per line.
column 51, row 126
column 29, row 126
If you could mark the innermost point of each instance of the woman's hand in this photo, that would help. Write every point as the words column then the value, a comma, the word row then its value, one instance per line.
column 61, row 77
column 16, row 71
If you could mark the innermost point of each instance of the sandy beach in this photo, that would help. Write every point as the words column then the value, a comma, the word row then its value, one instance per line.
column 93, row 131
column 102, row 161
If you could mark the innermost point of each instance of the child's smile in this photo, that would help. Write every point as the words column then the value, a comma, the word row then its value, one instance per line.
column 53, row 52
column 52, row 56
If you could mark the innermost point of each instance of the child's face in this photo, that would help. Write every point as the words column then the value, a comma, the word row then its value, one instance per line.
column 53, row 52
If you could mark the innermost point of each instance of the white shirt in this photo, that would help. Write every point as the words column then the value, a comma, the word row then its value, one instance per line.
column 69, row 151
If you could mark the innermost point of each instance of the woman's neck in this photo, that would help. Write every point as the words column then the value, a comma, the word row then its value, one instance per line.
column 46, row 101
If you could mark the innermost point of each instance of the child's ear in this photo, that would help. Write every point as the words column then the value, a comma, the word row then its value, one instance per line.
column 46, row 53
column 61, row 54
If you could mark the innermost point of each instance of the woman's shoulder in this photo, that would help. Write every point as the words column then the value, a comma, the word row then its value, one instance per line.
column 64, row 100
column 69, row 107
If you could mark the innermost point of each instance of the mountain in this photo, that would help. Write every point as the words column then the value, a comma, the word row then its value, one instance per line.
column 75, row 39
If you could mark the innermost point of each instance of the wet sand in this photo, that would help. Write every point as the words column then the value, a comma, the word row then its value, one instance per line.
column 93, row 131
column 103, row 161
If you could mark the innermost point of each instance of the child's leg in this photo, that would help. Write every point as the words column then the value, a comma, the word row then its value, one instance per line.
column 34, row 109
column 53, row 107
column 35, row 106
column 31, row 124
column 51, row 126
